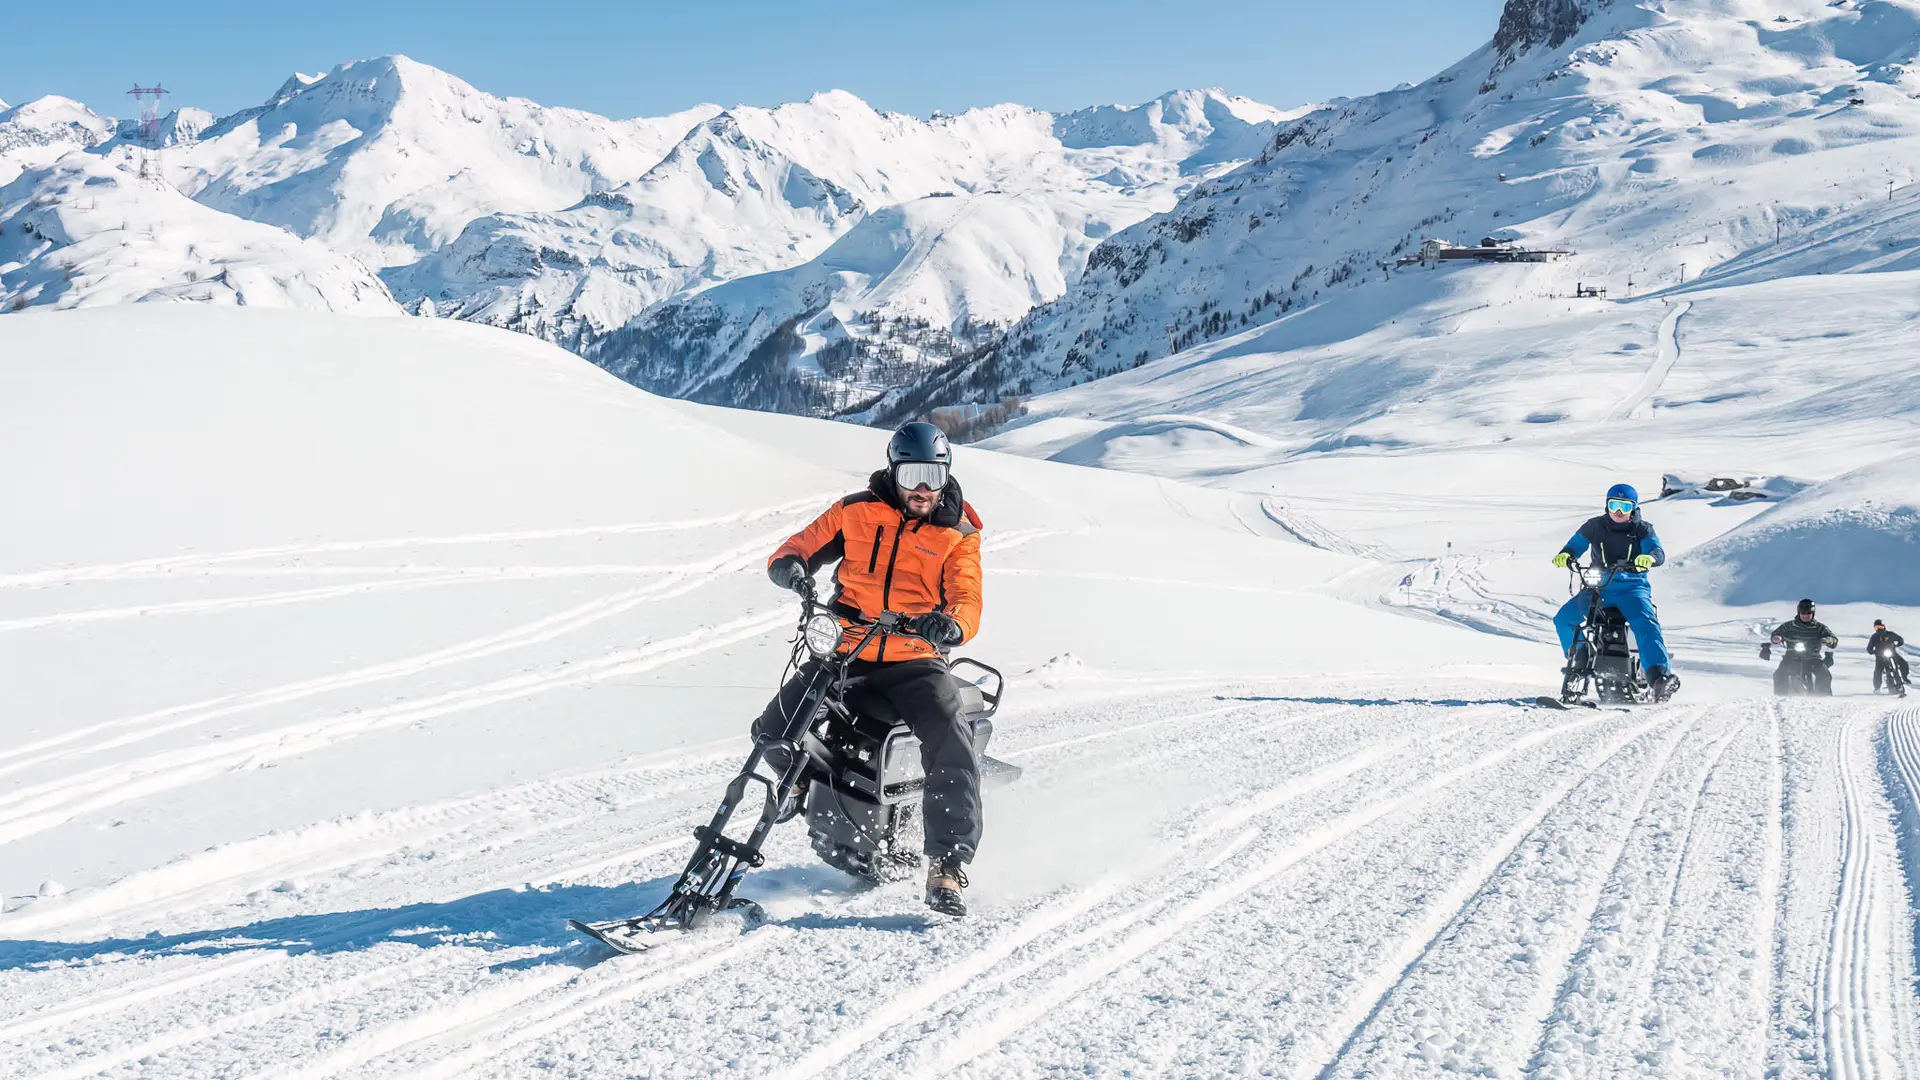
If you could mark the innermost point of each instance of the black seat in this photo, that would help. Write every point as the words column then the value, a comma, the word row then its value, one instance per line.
column 877, row 708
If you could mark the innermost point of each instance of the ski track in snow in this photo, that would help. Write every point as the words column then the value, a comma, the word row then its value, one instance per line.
column 1305, row 529
column 1665, row 357
column 1371, row 887
column 677, row 581
column 1530, row 904
column 1418, row 889
column 168, row 564
column 31, row 807
column 44, row 806
column 1860, row 997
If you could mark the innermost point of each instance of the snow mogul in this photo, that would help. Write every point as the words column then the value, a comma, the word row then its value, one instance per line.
column 1623, row 543
column 1801, row 641
column 1888, row 665
column 908, row 544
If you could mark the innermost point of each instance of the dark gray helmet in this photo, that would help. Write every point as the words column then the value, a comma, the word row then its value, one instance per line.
column 919, row 456
column 919, row 441
column 1806, row 607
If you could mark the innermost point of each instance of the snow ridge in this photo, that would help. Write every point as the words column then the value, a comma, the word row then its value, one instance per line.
column 91, row 229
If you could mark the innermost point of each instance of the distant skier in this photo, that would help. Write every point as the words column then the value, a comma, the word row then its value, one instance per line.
column 910, row 544
column 1802, row 641
column 1621, row 537
column 1884, row 647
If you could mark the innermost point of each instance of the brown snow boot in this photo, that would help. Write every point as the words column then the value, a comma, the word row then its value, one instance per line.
column 945, row 879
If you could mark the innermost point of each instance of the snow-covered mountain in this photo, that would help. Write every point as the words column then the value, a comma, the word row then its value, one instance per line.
column 91, row 229
column 387, row 159
column 932, row 261
column 41, row 130
column 752, row 191
column 1653, row 140
column 922, row 236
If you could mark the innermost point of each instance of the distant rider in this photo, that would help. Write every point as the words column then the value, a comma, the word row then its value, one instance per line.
column 1621, row 536
column 1802, row 640
column 1882, row 642
column 909, row 544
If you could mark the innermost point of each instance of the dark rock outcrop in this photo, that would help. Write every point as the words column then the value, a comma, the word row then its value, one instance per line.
column 1527, row 23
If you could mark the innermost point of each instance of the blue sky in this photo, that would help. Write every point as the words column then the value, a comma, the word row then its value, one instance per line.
column 632, row 59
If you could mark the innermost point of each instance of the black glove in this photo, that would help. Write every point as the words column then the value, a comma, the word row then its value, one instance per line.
column 937, row 627
column 1766, row 651
column 791, row 573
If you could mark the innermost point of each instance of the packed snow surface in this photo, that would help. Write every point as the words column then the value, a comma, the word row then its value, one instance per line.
column 94, row 230
column 349, row 657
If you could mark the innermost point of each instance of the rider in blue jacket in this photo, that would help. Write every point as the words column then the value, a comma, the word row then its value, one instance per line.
column 1621, row 536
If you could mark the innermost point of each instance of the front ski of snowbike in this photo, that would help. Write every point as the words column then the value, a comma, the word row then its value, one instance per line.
column 706, row 887
column 1603, row 667
column 853, row 768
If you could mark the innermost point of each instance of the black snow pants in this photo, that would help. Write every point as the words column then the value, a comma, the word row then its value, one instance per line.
column 923, row 693
column 1880, row 668
column 1790, row 669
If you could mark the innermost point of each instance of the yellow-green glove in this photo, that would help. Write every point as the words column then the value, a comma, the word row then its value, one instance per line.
column 1561, row 560
column 1643, row 563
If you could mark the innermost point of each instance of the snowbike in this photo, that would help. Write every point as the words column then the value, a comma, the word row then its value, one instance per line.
column 1801, row 662
column 852, row 765
column 1896, row 683
column 1605, row 660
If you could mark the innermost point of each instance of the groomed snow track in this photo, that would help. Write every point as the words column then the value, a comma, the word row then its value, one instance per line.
column 1367, row 886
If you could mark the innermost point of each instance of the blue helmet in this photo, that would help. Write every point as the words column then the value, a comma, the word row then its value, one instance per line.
column 1624, row 491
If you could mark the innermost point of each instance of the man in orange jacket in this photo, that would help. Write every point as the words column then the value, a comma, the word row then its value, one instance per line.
column 908, row 544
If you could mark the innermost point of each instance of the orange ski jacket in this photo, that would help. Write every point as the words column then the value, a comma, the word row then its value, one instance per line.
column 892, row 562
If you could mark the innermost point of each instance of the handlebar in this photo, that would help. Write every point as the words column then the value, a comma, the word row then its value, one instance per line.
column 1618, row 566
column 886, row 624
column 1578, row 572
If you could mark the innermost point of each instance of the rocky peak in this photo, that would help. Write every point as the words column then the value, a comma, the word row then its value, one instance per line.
column 1527, row 23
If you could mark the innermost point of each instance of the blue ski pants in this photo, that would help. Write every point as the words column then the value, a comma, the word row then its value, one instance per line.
column 1634, row 597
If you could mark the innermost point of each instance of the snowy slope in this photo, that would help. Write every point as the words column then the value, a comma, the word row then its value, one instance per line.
column 1855, row 538
column 1653, row 140
column 41, row 130
column 445, row 657
column 90, row 230
column 1879, row 235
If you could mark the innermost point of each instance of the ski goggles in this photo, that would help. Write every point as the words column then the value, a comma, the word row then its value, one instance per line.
column 1618, row 506
column 914, row 475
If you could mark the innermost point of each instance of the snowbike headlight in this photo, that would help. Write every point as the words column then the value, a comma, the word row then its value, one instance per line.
column 1888, row 654
column 1799, row 646
column 823, row 635
column 1591, row 575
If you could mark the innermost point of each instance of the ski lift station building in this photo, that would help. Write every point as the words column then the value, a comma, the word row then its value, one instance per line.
column 1490, row 249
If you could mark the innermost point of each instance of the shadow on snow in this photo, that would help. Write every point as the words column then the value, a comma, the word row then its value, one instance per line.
column 496, row 920
column 1447, row 703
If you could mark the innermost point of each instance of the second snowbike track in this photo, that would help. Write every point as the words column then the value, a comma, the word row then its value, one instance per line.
column 1247, row 880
